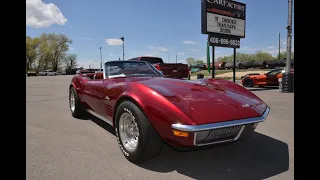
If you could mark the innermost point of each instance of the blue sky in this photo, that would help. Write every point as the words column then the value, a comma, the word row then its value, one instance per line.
column 150, row 27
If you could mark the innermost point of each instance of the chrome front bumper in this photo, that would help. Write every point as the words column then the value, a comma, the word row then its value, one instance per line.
column 234, row 128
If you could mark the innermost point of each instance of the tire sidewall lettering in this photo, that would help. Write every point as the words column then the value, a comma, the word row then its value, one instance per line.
column 125, row 109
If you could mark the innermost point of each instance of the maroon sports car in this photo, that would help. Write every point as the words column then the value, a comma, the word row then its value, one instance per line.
column 147, row 109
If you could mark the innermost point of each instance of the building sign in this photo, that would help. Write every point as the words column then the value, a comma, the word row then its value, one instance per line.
column 223, row 17
column 224, row 41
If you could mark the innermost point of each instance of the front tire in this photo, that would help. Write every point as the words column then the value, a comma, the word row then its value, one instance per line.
column 76, row 108
column 248, row 82
column 136, row 137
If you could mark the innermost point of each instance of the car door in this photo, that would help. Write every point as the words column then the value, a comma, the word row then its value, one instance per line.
column 272, row 78
column 92, row 94
column 110, row 93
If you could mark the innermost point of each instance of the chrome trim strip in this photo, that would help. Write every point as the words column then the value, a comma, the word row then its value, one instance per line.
column 195, row 128
column 100, row 117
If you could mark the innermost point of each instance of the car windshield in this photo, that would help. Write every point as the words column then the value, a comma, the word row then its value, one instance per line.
column 130, row 68
column 274, row 72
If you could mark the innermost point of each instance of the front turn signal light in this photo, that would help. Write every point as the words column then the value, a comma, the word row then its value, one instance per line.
column 180, row 133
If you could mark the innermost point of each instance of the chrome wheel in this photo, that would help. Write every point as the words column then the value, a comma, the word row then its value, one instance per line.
column 129, row 132
column 72, row 102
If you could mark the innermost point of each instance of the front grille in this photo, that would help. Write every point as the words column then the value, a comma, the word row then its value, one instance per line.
column 216, row 135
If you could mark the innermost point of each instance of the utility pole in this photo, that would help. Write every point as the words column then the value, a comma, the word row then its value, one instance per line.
column 100, row 58
column 287, row 77
column 289, row 37
column 176, row 57
column 122, row 38
column 279, row 46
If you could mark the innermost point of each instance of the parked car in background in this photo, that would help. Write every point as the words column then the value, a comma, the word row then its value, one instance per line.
column 32, row 73
column 172, row 70
column 147, row 110
column 47, row 73
column 268, row 79
column 249, row 74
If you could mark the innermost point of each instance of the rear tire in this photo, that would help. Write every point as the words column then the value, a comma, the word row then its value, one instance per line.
column 148, row 143
column 76, row 108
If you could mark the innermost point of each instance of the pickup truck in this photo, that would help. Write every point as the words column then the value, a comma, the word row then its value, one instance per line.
column 171, row 70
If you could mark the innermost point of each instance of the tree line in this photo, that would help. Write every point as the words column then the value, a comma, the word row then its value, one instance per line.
column 49, row 51
column 242, row 57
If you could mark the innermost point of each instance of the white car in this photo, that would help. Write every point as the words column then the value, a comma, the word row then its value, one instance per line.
column 48, row 73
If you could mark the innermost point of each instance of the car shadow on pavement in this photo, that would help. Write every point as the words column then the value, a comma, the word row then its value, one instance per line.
column 257, row 157
column 101, row 123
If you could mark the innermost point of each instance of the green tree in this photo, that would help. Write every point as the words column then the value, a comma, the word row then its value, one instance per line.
column 263, row 56
column 190, row 61
column 283, row 55
column 226, row 59
column 32, row 45
column 199, row 62
column 71, row 61
column 53, row 50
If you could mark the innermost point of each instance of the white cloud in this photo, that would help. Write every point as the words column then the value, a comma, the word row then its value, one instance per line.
column 42, row 15
column 217, row 52
column 114, row 42
column 71, row 48
column 111, row 54
column 193, row 49
column 162, row 49
column 253, row 49
column 189, row 42
column 150, row 47
column 271, row 47
column 157, row 48
column 85, row 38
column 180, row 54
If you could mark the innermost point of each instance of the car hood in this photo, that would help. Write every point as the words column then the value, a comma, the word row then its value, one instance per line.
column 208, row 101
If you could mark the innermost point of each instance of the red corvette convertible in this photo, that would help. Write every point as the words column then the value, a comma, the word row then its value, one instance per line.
column 147, row 109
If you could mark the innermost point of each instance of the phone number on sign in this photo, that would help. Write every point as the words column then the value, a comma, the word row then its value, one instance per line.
column 225, row 41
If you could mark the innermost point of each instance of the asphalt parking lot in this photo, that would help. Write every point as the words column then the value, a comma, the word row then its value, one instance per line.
column 62, row 147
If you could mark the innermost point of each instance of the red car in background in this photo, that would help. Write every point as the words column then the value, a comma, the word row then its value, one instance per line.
column 147, row 110
column 268, row 79
column 172, row 70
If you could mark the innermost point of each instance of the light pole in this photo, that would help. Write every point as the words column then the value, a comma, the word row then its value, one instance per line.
column 279, row 46
column 176, row 57
column 122, row 38
column 100, row 58
column 167, row 53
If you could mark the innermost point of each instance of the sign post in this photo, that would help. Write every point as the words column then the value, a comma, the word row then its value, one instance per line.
column 234, row 64
column 224, row 22
column 213, row 67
